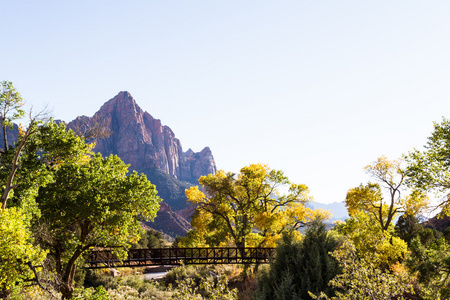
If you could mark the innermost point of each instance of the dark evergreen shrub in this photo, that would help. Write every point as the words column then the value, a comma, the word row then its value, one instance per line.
column 300, row 267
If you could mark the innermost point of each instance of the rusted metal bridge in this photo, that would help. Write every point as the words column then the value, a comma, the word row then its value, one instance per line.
column 177, row 256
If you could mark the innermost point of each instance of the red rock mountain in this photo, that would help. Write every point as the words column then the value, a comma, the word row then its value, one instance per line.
column 143, row 142
column 151, row 148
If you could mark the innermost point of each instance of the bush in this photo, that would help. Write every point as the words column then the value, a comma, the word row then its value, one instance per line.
column 199, row 282
column 301, row 267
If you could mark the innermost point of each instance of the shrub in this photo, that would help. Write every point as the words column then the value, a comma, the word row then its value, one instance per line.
column 301, row 267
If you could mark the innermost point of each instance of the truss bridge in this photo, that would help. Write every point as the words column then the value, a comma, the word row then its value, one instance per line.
column 177, row 256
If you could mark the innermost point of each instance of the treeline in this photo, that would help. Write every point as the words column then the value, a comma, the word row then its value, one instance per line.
column 382, row 251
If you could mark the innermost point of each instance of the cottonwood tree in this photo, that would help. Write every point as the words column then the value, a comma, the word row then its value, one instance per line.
column 369, row 239
column 390, row 177
column 18, row 254
column 246, row 209
column 21, row 180
column 429, row 170
column 75, row 201
column 11, row 108
column 17, row 162
column 362, row 279
column 92, row 202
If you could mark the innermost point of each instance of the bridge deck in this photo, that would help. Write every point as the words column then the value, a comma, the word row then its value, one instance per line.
column 176, row 256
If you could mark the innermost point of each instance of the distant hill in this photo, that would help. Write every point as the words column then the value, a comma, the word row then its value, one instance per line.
column 338, row 209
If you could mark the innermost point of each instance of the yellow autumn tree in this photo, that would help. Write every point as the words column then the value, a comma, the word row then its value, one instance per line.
column 388, row 197
column 247, row 209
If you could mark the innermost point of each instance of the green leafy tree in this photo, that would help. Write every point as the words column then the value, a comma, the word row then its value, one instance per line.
column 301, row 267
column 150, row 239
column 429, row 170
column 407, row 227
column 246, row 209
column 21, row 178
column 431, row 263
column 11, row 108
column 92, row 203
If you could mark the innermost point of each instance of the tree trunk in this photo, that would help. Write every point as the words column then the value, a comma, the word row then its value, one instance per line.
column 67, row 281
column 5, row 294
column 66, row 292
column 9, row 182
column 5, row 139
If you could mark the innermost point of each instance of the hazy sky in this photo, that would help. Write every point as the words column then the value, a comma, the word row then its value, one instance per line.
column 318, row 89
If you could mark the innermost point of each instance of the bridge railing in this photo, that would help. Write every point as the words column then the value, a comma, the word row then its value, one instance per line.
column 176, row 256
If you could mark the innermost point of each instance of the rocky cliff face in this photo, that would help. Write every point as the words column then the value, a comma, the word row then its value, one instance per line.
column 169, row 222
column 143, row 142
column 11, row 135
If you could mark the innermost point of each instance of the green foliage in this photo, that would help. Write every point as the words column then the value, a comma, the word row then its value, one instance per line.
column 129, row 287
column 301, row 267
column 407, row 227
column 92, row 201
column 428, row 170
column 93, row 204
column 430, row 259
column 17, row 252
column 212, row 285
column 11, row 104
column 98, row 293
column 19, row 171
column 169, row 188
column 150, row 239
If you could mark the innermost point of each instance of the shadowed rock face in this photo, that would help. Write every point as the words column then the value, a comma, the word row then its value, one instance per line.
column 169, row 222
column 11, row 136
column 143, row 142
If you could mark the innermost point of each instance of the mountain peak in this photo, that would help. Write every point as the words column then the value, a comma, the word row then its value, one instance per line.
column 143, row 142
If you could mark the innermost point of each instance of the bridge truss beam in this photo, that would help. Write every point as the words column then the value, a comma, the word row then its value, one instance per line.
column 177, row 256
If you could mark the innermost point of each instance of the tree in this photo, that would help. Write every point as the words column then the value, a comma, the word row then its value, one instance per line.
column 10, row 108
column 18, row 255
column 12, row 162
column 370, row 199
column 370, row 239
column 246, row 209
column 431, row 264
column 91, row 203
column 407, row 227
column 302, row 266
column 362, row 279
column 428, row 170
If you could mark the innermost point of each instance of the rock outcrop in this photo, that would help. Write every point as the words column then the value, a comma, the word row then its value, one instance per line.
column 143, row 142
column 169, row 222
column 12, row 135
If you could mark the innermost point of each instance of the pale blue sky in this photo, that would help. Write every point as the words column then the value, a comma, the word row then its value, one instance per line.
column 318, row 89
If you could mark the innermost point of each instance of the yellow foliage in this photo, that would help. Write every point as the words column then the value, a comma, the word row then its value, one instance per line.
column 248, row 208
column 390, row 196
column 16, row 249
column 21, row 130
column 194, row 195
column 361, row 229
